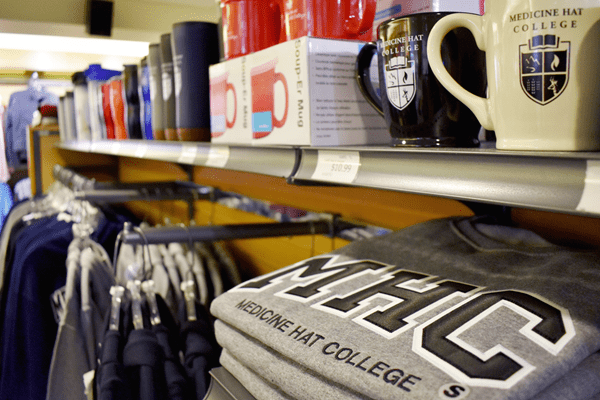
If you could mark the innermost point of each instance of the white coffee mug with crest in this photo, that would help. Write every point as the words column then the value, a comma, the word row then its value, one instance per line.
column 543, row 70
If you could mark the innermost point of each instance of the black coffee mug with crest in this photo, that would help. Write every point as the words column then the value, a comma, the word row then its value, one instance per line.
column 418, row 110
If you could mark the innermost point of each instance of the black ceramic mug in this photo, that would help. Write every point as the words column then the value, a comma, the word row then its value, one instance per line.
column 418, row 110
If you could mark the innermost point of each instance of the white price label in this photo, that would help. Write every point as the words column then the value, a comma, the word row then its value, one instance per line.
column 141, row 150
column 590, row 198
column 85, row 146
column 217, row 156
column 115, row 148
column 337, row 166
column 94, row 147
column 188, row 155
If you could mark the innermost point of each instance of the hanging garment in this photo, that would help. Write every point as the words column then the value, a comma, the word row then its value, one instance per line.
column 189, row 267
column 4, row 172
column 143, row 360
column 199, row 347
column 110, row 380
column 36, row 272
column 465, row 304
column 212, row 266
column 19, row 114
column 173, row 273
column 231, row 273
column 87, row 303
column 23, row 189
column 12, row 225
column 163, row 285
column 167, row 334
column 6, row 201
column 69, row 360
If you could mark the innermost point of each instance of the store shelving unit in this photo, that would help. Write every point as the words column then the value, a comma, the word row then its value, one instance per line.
column 273, row 161
column 566, row 182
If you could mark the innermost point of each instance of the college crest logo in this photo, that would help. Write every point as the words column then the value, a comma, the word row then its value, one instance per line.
column 544, row 67
column 400, row 81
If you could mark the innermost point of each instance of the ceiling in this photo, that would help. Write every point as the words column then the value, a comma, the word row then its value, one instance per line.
column 133, row 20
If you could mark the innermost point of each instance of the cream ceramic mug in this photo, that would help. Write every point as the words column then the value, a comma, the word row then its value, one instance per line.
column 542, row 60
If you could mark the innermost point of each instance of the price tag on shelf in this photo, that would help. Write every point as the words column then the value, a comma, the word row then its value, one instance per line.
column 115, row 148
column 188, row 154
column 217, row 156
column 83, row 146
column 337, row 166
column 141, row 150
column 94, row 147
column 590, row 198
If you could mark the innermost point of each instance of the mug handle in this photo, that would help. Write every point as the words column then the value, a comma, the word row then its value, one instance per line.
column 279, row 123
column 355, row 25
column 480, row 106
column 363, row 74
column 230, row 124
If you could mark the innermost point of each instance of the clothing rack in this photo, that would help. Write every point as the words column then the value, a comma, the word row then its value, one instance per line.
column 72, row 179
column 94, row 192
column 151, row 191
column 90, row 190
column 110, row 193
column 227, row 232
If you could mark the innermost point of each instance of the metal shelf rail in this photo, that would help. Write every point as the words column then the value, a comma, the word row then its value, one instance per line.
column 567, row 182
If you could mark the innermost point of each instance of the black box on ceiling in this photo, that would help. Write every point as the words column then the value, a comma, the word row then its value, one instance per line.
column 100, row 17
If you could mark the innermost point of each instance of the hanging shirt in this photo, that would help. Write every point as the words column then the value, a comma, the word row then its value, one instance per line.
column 19, row 114
column 23, row 189
column 69, row 360
column 4, row 172
column 167, row 334
column 111, row 380
column 143, row 360
column 87, row 299
column 199, row 348
column 212, row 266
column 30, row 329
column 29, row 326
column 6, row 201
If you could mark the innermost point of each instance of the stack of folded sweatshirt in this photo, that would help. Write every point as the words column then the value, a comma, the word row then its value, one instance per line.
column 457, row 308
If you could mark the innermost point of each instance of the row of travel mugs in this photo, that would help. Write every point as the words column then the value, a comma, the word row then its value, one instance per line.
column 164, row 97
column 526, row 70
column 179, row 82
column 105, row 104
column 253, row 25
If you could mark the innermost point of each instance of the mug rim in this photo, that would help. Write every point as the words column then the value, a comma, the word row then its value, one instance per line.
column 442, row 13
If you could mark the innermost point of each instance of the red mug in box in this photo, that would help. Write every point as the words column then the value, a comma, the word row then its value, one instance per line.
column 251, row 25
column 334, row 19
column 219, row 86
column 263, row 80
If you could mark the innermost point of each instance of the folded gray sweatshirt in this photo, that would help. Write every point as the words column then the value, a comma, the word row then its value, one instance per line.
column 450, row 308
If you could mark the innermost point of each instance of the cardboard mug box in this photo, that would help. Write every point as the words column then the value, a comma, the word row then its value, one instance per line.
column 387, row 9
column 302, row 93
column 228, row 96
